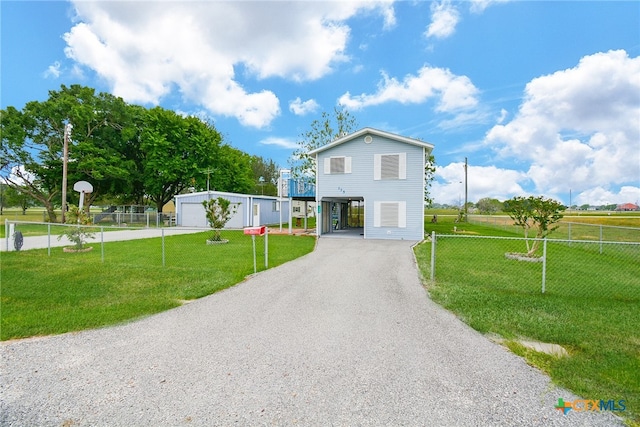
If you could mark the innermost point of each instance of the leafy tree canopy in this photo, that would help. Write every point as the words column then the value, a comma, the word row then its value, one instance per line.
column 538, row 213
column 322, row 131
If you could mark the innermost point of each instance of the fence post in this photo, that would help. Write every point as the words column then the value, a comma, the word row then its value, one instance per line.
column 266, row 248
column 544, row 264
column 49, row 239
column 569, row 234
column 433, row 256
column 102, row 243
column 6, row 234
column 163, row 262
column 601, row 239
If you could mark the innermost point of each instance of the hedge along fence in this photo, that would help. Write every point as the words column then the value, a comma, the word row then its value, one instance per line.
column 573, row 268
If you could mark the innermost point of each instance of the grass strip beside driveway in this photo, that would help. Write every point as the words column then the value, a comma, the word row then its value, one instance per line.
column 595, row 319
column 44, row 295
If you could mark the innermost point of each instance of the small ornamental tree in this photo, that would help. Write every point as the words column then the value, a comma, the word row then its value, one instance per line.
column 79, row 233
column 534, row 212
column 218, row 211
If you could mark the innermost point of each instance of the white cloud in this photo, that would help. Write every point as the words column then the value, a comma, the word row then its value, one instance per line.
column 482, row 181
column 20, row 176
column 478, row 6
column 280, row 142
column 300, row 108
column 53, row 70
column 503, row 116
column 578, row 128
column 444, row 18
column 145, row 50
column 453, row 92
column 599, row 196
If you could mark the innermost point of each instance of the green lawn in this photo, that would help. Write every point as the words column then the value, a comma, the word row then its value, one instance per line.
column 64, row 292
column 591, row 305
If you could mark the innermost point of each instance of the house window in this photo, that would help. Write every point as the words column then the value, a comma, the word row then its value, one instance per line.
column 337, row 165
column 275, row 206
column 390, row 214
column 390, row 166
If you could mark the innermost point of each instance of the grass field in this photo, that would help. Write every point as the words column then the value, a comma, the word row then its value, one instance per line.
column 591, row 306
column 44, row 295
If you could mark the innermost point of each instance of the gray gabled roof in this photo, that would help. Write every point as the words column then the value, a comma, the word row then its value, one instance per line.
column 374, row 132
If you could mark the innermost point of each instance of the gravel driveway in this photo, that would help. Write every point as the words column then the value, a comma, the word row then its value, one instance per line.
column 344, row 336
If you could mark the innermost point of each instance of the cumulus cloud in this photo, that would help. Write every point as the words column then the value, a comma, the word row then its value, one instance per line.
column 444, row 19
column 482, row 181
column 145, row 50
column 578, row 128
column 478, row 6
column 453, row 92
column 280, row 142
column 53, row 70
column 301, row 108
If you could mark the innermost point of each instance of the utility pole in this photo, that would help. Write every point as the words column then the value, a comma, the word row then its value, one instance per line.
column 208, row 171
column 465, row 189
column 65, row 160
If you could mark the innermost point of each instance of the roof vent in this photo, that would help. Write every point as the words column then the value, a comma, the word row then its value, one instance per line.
column 368, row 139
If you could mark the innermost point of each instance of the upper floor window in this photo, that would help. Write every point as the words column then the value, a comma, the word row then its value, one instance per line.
column 390, row 166
column 335, row 165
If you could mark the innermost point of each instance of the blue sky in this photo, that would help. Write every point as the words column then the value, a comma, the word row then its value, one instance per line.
column 542, row 97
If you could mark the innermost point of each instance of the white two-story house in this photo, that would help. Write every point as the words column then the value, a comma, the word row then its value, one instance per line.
column 372, row 180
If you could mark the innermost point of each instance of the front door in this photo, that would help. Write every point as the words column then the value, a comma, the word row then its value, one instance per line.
column 256, row 214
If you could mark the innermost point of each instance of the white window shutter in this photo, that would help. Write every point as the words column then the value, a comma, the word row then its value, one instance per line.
column 402, row 214
column 376, row 167
column 376, row 214
column 402, row 172
column 347, row 165
column 327, row 165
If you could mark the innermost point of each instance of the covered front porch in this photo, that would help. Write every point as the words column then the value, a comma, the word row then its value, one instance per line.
column 341, row 217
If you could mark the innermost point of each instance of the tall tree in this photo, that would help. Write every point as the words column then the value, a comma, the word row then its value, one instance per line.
column 489, row 206
column 233, row 170
column 429, row 175
column 174, row 152
column 323, row 131
column 265, row 176
column 33, row 140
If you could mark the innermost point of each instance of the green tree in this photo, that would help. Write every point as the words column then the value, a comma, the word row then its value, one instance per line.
column 174, row 152
column 15, row 196
column 489, row 206
column 323, row 131
column 429, row 175
column 265, row 176
column 33, row 140
column 218, row 211
column 78, row 232
column 233, row 170
column 539, row 213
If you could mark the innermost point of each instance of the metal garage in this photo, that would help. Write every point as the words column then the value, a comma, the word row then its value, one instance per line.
column 252, row 210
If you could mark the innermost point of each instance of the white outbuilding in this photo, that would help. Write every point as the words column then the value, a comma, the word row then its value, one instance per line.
column 251, row 210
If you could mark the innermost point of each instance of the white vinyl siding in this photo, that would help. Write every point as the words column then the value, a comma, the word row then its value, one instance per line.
column 390, row 166
column 390, row 214
column 336, row 165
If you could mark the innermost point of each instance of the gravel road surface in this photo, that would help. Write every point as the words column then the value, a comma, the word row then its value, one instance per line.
column 345, row 336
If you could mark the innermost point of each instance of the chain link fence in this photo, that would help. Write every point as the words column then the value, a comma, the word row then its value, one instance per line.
column 567, row 230
column 171, row 247
column 571, row 268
